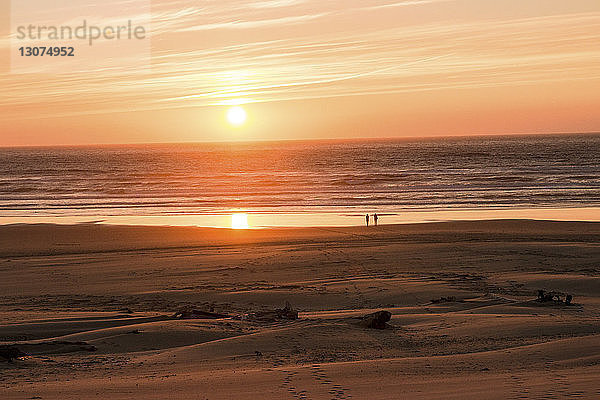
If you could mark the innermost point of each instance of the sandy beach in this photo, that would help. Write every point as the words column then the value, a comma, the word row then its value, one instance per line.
column 300, row 199
column 92, row 306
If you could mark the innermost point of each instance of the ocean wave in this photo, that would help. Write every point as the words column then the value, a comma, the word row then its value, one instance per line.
column 388, row 175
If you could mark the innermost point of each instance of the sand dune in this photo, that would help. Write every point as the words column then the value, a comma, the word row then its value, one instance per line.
column 92, row 305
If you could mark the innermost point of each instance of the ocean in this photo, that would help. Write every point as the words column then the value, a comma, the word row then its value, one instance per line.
column 350, row 177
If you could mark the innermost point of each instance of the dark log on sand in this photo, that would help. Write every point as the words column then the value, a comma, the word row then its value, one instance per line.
column 376, row 320
column 10, row 353
column 197, row 314
column 286, row 313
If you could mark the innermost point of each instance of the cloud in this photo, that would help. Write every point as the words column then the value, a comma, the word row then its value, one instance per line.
column 276, row 3
column 406, row 3
column 244, row 24
column 327, row 60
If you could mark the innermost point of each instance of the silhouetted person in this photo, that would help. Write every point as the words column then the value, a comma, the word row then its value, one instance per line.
column 367, row 219
column 375, row 218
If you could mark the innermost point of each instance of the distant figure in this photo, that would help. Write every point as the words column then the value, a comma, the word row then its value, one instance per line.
column 367, row 219
column 375, row 218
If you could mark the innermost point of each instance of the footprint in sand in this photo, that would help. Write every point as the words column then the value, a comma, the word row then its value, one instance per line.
column 336, row 391
column 564, row 388
column 518, row 388
column 291, row 388
column 561, row 383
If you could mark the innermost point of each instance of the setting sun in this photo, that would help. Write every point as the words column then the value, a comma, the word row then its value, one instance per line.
column 239, row 221
column 236, row 116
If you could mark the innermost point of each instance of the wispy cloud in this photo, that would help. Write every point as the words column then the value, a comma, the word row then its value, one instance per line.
column 223, row 60
column 406, row 3
column 276, row 3
column 242, row 24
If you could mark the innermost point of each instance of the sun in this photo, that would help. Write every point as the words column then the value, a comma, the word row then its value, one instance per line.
column 236, row 116
column 239, row 221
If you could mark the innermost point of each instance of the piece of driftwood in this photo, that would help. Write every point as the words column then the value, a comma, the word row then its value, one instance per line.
column 376, row 320
column 198, row 314
column 10, row 353
column 285, row 313
column 449, row 299
column 568, row 299
column 554, row 297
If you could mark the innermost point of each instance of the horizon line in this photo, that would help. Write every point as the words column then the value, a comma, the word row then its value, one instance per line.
column 330, row 139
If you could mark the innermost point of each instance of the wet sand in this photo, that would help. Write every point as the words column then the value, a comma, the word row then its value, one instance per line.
column 92, row 305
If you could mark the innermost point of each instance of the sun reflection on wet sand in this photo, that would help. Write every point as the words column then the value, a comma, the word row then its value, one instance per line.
column 239, row 221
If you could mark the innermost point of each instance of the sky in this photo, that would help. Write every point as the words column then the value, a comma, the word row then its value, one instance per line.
column 310, row 69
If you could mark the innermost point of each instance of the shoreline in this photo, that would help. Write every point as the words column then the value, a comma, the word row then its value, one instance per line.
column 19, row 240
column 324, row 219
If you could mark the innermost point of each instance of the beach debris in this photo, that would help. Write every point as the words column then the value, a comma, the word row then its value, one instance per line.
column 285, row 313
column 449, row 299
column 198, row 314
column 554, row 298
column 541, row 294
column 376, row 320
column 568, row 299
column 10, row 353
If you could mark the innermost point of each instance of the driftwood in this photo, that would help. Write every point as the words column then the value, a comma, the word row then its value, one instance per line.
column 197, row 314
column 286, row 313
column 12, row 352
column 568, row 299
column 9, row 353
column 449, row 299
column 376, row 320
column 554, row 297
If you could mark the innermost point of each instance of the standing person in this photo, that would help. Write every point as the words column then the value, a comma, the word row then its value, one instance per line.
column 375, row 218
column 367, row 219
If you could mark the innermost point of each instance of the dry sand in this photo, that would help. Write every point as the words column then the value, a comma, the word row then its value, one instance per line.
column 65, row 289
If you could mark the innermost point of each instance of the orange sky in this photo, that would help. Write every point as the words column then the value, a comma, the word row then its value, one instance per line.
column 325, row 69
